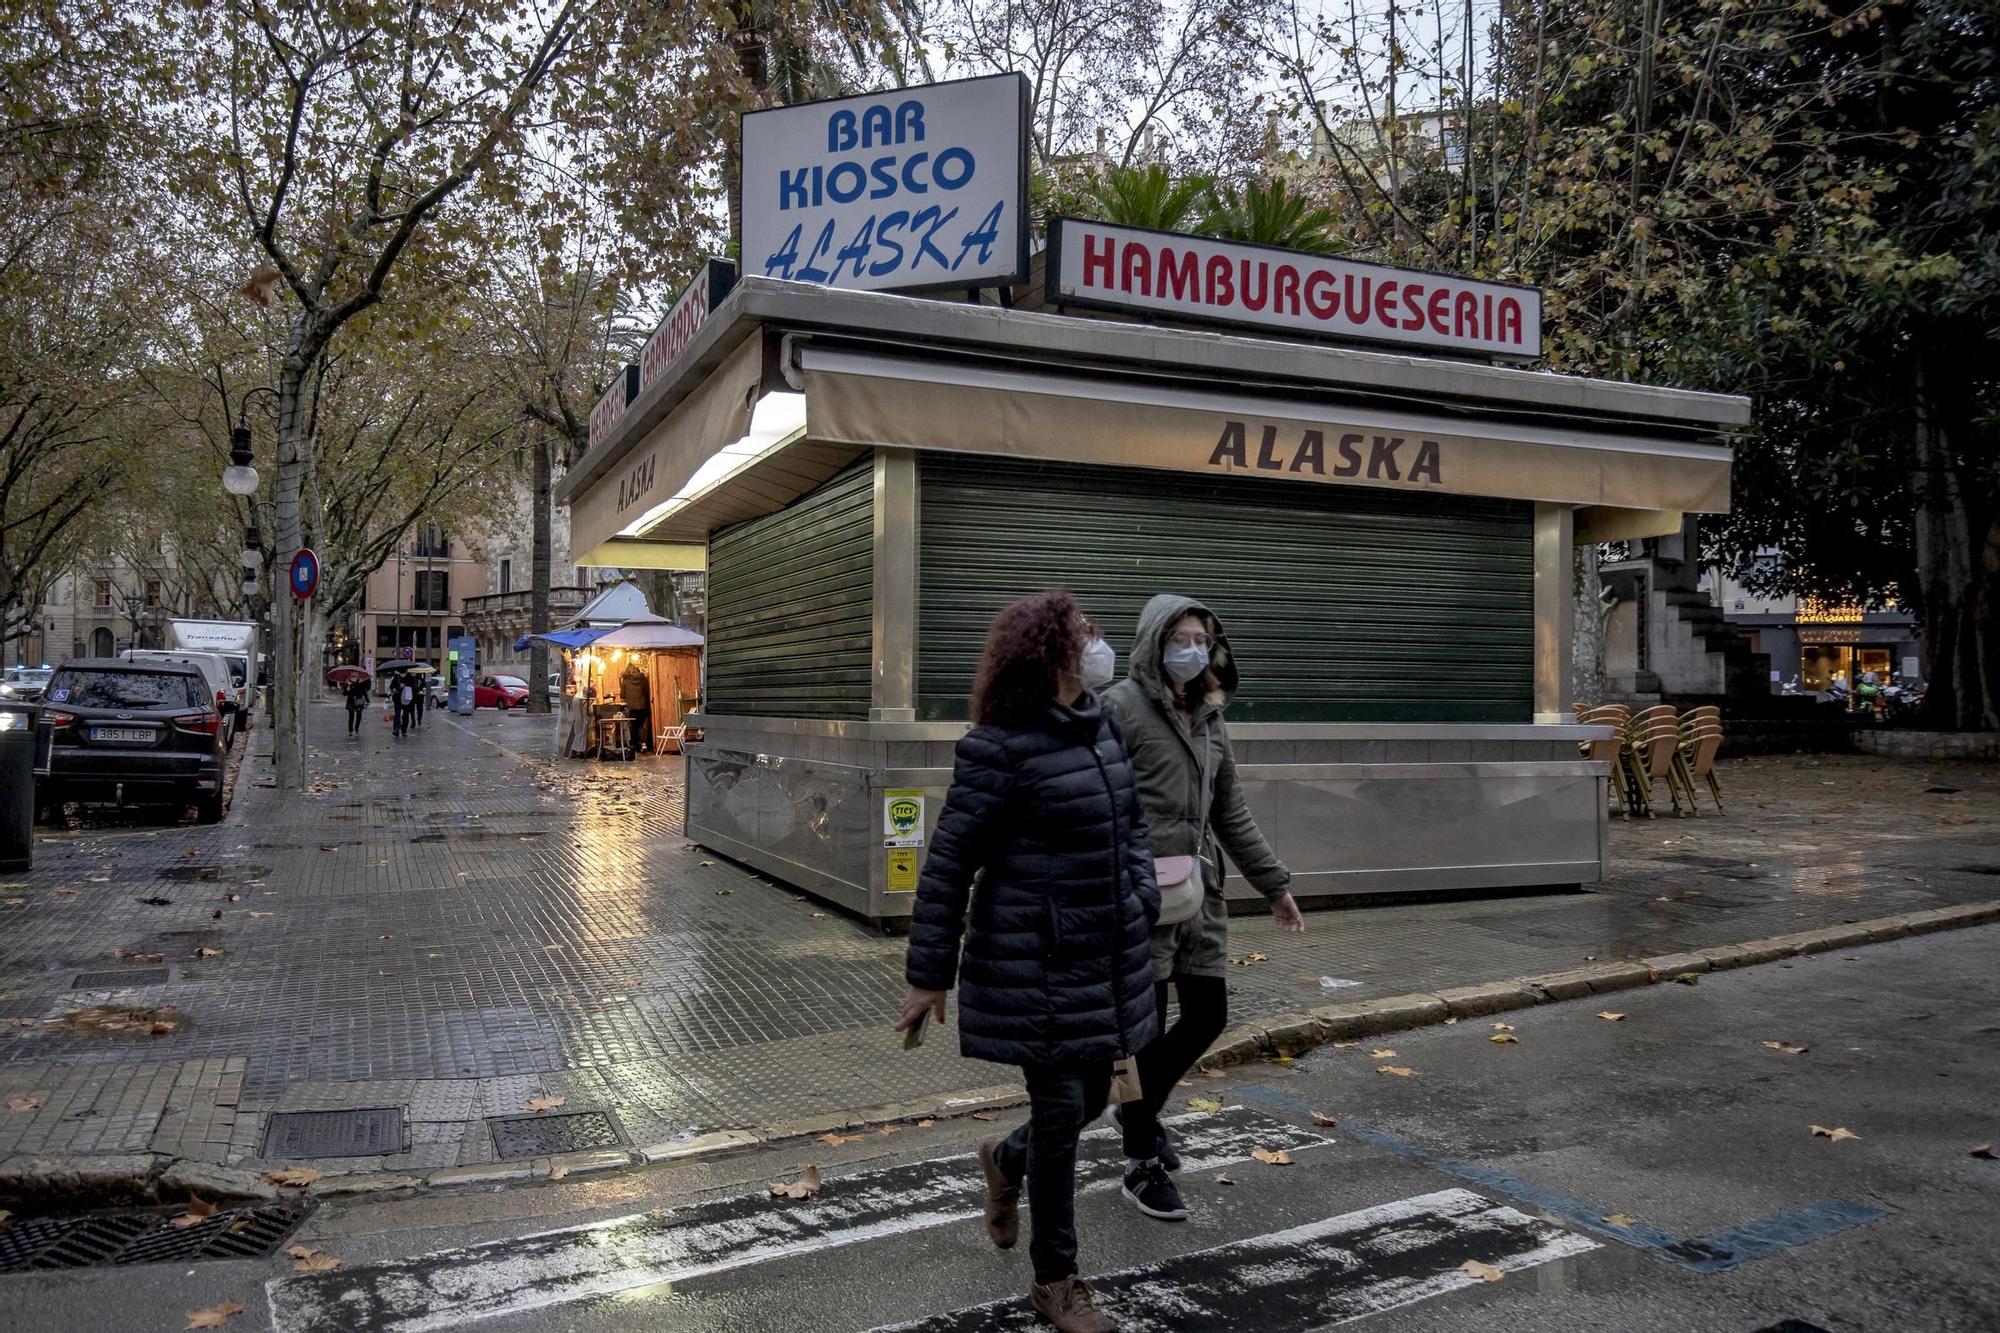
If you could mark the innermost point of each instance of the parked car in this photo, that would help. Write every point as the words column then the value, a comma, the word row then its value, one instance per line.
column 133, row 733
column 231, row 696
column 24, row 684
column 502, row 692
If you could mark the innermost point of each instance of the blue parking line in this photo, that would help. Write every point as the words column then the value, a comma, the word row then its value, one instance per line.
column 1706, row 1254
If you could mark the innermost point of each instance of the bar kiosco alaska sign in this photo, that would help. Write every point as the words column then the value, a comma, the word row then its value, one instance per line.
column 1110, row 267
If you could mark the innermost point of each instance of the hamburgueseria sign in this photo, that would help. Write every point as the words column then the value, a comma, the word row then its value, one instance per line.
column 1193, row 277
column 906, row 190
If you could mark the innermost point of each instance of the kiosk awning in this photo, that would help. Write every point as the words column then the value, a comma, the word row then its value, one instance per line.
column 861, row 399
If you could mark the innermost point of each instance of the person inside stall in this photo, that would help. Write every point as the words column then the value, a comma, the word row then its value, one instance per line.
column 638, row 702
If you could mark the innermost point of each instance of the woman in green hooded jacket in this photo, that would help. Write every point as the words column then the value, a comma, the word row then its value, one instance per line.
column 1170, row 706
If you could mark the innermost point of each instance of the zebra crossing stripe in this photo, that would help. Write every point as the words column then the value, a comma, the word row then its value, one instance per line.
column 458, row 1286
column 1323, row 1273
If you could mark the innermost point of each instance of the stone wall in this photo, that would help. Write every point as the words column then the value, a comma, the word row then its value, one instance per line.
column 1929, row 744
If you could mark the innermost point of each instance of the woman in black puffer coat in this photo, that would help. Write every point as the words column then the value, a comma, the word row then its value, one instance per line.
column 1042, row 842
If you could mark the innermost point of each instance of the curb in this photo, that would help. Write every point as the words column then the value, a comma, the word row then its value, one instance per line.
column 1290, row 1034
column 1284, row 1035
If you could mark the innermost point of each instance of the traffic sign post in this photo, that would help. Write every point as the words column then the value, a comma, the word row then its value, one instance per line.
column 304, row 573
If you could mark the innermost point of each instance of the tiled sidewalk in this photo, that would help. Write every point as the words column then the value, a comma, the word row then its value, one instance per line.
column 454, row 924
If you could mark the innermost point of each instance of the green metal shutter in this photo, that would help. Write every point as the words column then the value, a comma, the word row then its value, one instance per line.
column 791, row 605
column 1343, row 604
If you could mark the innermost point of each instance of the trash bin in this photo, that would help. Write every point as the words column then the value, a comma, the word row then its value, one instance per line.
column 17, row 785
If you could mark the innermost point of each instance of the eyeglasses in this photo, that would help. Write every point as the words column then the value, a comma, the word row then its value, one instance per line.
column 1201, row 641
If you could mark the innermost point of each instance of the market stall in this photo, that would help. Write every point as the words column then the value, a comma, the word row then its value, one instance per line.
column 1387, row 534
column 628, row 688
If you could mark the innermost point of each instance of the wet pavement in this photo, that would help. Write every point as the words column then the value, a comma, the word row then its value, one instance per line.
column 454, row 925
column 1658, row 1170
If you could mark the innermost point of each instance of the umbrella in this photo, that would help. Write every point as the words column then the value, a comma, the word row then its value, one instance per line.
column 345, row 675
column 391, row 668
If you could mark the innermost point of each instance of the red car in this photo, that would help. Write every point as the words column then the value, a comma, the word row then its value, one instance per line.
column 502, row 692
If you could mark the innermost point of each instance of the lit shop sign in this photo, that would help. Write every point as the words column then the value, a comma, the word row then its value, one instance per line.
column 624, row 388
column 1815, row 611
column 688, row 313
column 918, row 188
column 1228, row 282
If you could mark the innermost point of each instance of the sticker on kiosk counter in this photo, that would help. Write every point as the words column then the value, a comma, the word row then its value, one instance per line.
column 902, row 870
column 902, row 819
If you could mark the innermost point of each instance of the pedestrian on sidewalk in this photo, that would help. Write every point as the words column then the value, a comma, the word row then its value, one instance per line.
column 1055, row 975
column 1170, row 704
column 418, row 696
column 357, row 704
column 405, row 704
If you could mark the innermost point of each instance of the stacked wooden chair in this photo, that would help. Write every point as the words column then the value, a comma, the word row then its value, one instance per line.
column 1701, row 739
column 1656, row 748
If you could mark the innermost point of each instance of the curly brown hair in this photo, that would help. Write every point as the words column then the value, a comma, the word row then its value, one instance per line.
column 1029, row 647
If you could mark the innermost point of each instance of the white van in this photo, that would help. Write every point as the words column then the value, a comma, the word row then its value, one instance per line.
column 215, row 668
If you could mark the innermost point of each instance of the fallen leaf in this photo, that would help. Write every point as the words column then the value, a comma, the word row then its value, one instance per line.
column 1281, row 1060
column 1322, row 1118
column 328, row 847
column 301, row 1252
column 1984, row 1150
column 724, row 893
column 1213, row 1073
column 1504, row 1039
column 1688, row 979
column 1400, row 1071
column 708, row 863
column 1383, row 1054
column 159, row 1029
column 260, row 914
column 1484, row 1272
column 1822, row 1132
column 835, row 1140
column 1787, row 1047
column 1345, row 1045
column 545, row 1103
column 197, row 1209
column 1278, row 1158
column 315, row 1262
column 1208, row 1104
column 1503, row 1027
column 804, row 1187
column 1610, row 1017
column 984, row 1115
column 1224, row 1180
column 558, row 1172
column 211, row 1316
column 65, row 893
column 24, row 1103
column 206, row 952
column 13, row 902
column 295, row 1177
column 818, row 916
column 216, row 915
column 925, row 1124
column 1260, row 958
column 237, row 897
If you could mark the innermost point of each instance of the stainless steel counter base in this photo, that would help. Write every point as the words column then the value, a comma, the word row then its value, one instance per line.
column 1353, row 809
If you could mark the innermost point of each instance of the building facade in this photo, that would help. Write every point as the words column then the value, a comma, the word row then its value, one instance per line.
column 415, row 603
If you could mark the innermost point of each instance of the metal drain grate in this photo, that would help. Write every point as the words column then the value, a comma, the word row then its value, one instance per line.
column 518, row 1136
column 143, row 1236
column 301, row 1134
column 122, row 978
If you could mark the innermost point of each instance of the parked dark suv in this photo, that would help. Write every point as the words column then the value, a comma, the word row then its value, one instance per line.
column 130, row 732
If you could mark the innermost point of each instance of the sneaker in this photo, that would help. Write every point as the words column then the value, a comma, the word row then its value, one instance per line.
column 1069, row 1305
column 1003, row 1199
column 1163, row 1147
column 1152, row 1191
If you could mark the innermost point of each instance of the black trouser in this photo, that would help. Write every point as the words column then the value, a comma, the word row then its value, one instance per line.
column 354, row 712
column 1062, row 1100
column 403, row 712
column 417, row 708
column 1204, row 1013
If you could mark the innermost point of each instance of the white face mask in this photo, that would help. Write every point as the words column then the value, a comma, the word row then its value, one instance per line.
column 1099, row 666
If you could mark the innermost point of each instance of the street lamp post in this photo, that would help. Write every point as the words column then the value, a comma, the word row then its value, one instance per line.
column 240, row 477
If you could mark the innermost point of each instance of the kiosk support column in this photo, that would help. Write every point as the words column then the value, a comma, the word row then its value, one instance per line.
column 1555, row 610
column 893, row 693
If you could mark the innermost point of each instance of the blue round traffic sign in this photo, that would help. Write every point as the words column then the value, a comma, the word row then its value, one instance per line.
column 305, row 573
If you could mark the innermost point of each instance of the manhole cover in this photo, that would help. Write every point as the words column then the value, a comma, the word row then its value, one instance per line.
column 122, row 978
column 519, row 1136
column 303, row 1134
column 144, row 1236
